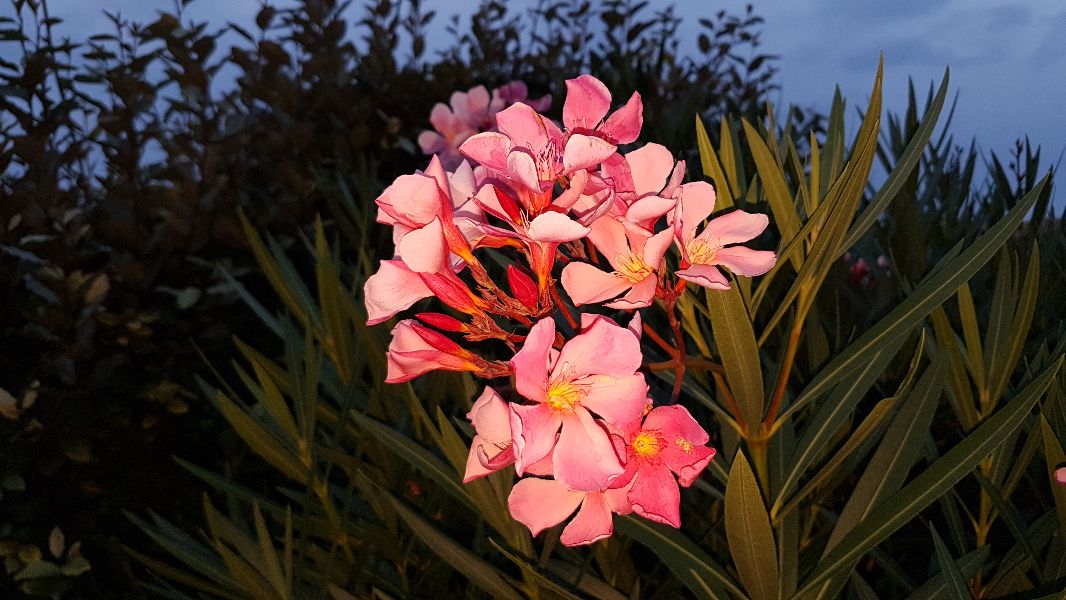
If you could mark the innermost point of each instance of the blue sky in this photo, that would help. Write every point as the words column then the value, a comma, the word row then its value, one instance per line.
column 1007, row 57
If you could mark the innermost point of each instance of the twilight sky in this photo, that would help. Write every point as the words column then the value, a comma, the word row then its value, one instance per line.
column 1007, row 57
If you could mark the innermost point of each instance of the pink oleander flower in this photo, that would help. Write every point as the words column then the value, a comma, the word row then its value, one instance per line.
column 530, row 153
column 542, row 503
column 416, row 349
column 593, row 373
column 636, row 257
column 415, row 205
column 669, row 442
column 702, row 254
column 468, row 113
column 586, row 106
column 515, row 92
column 646, row 184
column 492, row 448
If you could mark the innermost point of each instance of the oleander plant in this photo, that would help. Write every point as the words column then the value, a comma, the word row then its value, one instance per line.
column 521, row 324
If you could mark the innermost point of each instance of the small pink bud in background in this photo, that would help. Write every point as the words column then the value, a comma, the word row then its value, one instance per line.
column 523, row 288
column 1060, row 475
column 882, row 262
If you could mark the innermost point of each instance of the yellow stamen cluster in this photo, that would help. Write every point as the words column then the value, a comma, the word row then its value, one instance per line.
column 563, row 395
column 632, row 267
column 702, row 252
column 646, row 445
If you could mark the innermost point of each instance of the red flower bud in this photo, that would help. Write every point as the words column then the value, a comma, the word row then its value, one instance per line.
column 523, row 288
column 442, row 321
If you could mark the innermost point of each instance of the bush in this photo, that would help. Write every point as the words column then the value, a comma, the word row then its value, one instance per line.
column 125, row 159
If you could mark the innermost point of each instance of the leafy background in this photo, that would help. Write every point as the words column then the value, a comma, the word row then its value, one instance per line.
column 194, row 405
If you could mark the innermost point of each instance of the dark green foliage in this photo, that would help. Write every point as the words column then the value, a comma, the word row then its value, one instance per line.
column 124, row 158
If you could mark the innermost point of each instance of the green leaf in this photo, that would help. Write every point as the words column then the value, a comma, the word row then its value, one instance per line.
column 940, row 477
column 852, row 449
column 735, row 339
column 830, row 416
column 417, row 456
column 772, row 175
column 462, row 560
column 899, row 450
column 946, row 278
column 903, row 169
column 747, row 527
column 938, row 586
column 692, row 566
column 711, row 167
column 956, row 586
column 264, row 443
column 1054, row 455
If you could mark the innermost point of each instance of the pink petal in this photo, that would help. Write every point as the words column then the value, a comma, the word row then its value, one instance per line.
column 541, row 503
column 618, row 499
column 530, row 363
column 524, row 126
column 413, row 200
column 1060, row 475
column 475, row 468
column 689, row 466
column 684, row 450
column 745, row 261
column 648, row 209
column 424, row 249
column 650, row 165
column 605, row 349
column 584, row 458
column 477, row 98
column 640, row 295
column 441, row 117
column 608, row 235
column 675, row 421
column 676, row 177
column 655, row 248
column 491, row 417
column 431, row 142
column 556, row 227
column 616, row 400
column 573, row 192
column 392, row 289
column 616, row 168
column 585, row 152
column 533, row 431
column 587, row 102
column 522, row 168
column 655, row 496
column 706, row 275
column 623, row 126
column 694, row 204
column 592, row 523
column 736, row 227
column 488, row 148
column 585, row 284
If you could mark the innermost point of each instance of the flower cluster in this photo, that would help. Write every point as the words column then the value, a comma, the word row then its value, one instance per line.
column 471, row 112
column 573, row 414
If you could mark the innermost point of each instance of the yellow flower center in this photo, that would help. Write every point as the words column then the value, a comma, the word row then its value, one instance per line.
column 702, row 252
column 632, row 267
column 563, row 395
column 646, row 445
